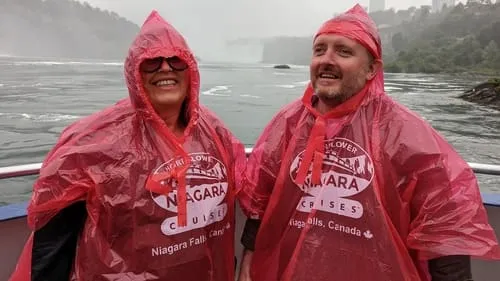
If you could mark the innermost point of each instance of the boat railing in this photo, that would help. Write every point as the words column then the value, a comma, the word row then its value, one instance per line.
column 18, row 210
column 34, row 169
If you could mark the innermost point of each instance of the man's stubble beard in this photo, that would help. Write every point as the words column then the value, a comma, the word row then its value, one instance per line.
column 347, row 89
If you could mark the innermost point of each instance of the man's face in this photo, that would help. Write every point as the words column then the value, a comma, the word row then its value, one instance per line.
column 339, row 67
column 166, row 82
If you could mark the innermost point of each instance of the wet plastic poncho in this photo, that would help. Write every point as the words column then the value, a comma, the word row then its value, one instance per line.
column 368, row 191
column 141, row 183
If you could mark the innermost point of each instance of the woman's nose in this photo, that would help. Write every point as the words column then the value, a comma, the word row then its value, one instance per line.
column 165, row 66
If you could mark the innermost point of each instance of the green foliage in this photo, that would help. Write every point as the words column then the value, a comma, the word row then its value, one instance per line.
column 467, row 39
column 496, row 82
column 464, row 38
column 63, row 28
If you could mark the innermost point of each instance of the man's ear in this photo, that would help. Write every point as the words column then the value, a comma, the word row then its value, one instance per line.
column 374, row 67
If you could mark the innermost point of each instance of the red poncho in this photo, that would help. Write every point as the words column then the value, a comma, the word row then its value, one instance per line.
column 141, row 183
column 368, row 191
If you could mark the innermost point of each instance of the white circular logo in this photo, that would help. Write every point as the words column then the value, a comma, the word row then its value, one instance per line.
column 347, row 169
column 206, row 188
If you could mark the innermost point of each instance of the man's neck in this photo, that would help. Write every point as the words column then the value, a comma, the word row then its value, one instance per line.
column 324, row 107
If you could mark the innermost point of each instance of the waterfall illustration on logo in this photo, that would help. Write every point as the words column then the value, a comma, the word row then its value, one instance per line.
column 206, row 188
column 347, row 170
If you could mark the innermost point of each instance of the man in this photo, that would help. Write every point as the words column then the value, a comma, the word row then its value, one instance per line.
column 346, row 184
column 143, row 190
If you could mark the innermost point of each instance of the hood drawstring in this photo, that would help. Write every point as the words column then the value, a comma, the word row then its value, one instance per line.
column 315, row 148
column 315, row 151
column 162, row 182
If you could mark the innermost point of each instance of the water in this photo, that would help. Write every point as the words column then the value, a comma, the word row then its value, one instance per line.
column 38, row 98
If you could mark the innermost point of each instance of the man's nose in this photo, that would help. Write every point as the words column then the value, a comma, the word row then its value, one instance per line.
column 329, row 56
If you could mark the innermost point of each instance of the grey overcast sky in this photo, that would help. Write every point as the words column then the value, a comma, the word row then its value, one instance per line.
column 207, row 24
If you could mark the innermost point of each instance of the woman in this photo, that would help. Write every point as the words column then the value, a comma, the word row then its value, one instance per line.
column 143, row 190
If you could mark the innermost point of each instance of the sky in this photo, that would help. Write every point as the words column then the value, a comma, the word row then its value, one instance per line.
column 208, row 24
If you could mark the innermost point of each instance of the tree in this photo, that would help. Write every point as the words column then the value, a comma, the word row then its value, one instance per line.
column 491, row 57
column 399, row 42
column 488, row 33
column 426, row 11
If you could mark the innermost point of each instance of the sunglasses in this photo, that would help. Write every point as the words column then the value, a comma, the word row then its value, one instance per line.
column 154, row 64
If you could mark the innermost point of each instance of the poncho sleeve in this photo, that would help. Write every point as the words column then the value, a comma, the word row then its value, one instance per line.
column 447, row 216
column 65, row 178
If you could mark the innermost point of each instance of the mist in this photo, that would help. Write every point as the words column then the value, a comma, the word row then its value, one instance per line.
column 211, row 28
column 62, row 29
column 209, row 25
